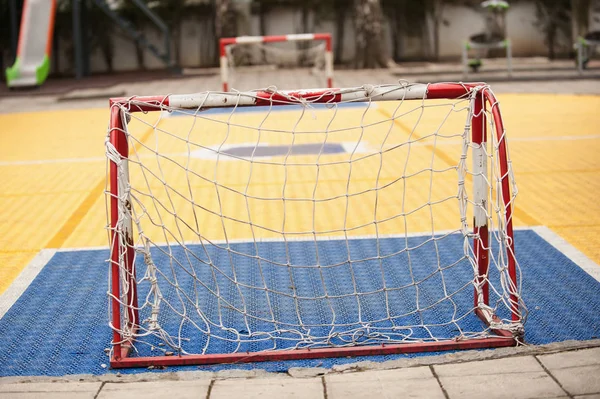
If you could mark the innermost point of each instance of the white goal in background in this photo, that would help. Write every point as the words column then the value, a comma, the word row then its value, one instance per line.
column 311, row 51
column 275, row 225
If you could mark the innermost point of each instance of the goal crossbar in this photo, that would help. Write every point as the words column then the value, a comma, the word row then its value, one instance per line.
column 303, row 37
column 482, row 98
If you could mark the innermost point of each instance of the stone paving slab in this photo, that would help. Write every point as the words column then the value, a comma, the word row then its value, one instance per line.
column 525, row 372
column 417, row 382
column 156, row 390
column 507, row 365
column 51, row 390
column 48, row 395
column 517, row 378
column 583, row 357
column 581, row 380
column 577, row 371
column 266, row 388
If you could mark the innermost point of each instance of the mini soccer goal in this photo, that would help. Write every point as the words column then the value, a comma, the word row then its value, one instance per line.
column 278, row 58
column 276, row 225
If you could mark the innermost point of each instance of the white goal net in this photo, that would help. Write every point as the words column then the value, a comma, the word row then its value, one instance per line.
column 283, row 62
column 278, row 222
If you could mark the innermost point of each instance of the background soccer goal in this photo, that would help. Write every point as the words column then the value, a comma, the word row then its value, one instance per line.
column 299, row 53
column 269, row 225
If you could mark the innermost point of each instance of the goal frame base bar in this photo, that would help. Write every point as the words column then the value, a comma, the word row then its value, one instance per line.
column 302, row 354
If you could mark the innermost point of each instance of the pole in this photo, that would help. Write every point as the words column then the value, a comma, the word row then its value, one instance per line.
column 14, row 31
column 77, row 39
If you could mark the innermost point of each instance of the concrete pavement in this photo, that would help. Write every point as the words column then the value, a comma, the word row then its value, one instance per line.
column 562, row 370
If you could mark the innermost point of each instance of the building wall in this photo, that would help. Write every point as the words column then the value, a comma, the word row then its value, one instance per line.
column 463, row 22
column 198, row 43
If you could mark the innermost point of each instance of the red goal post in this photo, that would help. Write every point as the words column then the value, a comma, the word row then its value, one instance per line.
column 228, row 41
column 121, row 232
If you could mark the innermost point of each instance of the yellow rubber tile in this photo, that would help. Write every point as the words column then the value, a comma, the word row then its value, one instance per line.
column 553, row 142
column 11, row 264
column 48, row 162
column 53, row 134
column 583, row 237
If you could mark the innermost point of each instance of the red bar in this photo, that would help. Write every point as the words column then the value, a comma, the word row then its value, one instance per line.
column 449, row 90
column 222, row 43
column 225, row 41
column 501, row 333
column 116, row 126
column 273, row 39
column 315, row 97
column 296, row 354
column 119, row 140
column 326, row 37
column 503, row 157
column 481, row 244
column 144, row 104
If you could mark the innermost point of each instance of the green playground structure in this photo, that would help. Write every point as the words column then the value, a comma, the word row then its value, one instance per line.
column 32, row 63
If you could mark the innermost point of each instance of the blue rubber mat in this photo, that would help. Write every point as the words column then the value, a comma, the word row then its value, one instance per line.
column 59, row 325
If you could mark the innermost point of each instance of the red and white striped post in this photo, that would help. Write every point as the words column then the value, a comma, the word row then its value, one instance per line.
column 228, row 41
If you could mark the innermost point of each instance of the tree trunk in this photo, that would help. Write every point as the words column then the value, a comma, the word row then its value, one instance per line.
column 370, row 48
column 108, row 52
column 551, row 41
column 580, row 11
column 302, row 45
column 396, row 37
column 225, row 19
column 438, row 9
column 176, row 40
column 340, row 8
column 262, row 27
column 139, row 56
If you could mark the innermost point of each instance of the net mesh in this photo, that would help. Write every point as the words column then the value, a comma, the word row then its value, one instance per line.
column 266, row 60
column 306, row 225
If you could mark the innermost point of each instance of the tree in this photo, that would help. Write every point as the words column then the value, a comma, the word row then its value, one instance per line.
column 225, row 19
column 340, row 13
column 435, row 10
column 580, row 11
column 553, row 19
column 370, row 47
column 172, row 12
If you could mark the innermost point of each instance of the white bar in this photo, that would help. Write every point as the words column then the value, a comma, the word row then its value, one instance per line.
column 328, row 64
column 479, row 184
column 249, row 39
column 224, row 67
column 211, row 100
column 301, row 36
column 385, row 93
